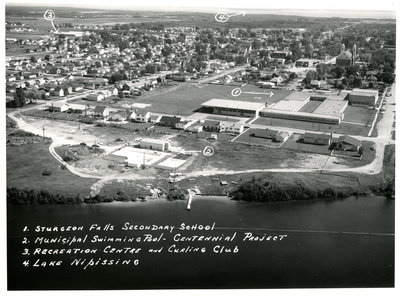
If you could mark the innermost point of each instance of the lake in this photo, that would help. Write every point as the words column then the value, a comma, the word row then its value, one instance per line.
column 323, row 243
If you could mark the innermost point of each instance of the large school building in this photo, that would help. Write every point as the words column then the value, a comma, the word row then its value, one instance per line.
column 302, row 106
column 234, row 108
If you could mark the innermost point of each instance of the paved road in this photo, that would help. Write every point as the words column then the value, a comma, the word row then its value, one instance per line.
column 384, row 137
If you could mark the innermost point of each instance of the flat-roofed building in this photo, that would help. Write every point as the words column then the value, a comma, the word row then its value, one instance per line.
column 274, row 135
column 154, row 144
column 298, row 96
column 348, row 143
column 301, row 116
column 316, row 139
column 58, row 106
column 235, row 108
column 363, row 97
column 77, row 108
column 235, row 127
column 289, row 105
column 332, row 107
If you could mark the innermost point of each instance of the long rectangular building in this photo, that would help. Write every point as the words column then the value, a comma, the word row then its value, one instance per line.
column 301, row 116
column 235, row 108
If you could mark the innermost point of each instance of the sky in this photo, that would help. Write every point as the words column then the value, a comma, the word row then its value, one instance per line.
column 381, row 5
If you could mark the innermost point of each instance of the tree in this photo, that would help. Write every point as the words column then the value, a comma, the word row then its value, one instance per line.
column 116, row 77
column 19, row 98
column 339, row 72
column 357, row 82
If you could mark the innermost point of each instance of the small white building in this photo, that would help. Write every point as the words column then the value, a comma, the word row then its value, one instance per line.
column 154, row 144
column 235, row 128
column 101, row 111
column 58, row 106
column 95, row 97
column 142, row 115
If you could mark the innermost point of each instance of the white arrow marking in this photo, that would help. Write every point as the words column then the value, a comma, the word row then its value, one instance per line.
column 237, row 92
column 243, row 13
column 270, row 94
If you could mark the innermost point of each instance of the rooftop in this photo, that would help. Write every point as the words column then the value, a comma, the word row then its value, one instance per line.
column 153, row 141
column 297, row 96
column 287, row 105
column 329, row 106
column 243, row 105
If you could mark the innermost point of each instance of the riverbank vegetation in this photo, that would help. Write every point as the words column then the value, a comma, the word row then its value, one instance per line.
column 273, row 191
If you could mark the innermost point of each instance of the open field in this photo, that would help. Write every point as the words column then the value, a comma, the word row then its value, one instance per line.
column 187, row 98
column 26, row 163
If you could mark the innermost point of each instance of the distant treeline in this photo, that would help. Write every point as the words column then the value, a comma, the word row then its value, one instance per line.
column 273, row 191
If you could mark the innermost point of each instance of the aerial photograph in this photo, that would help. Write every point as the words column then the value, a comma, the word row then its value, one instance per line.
column 211, row 145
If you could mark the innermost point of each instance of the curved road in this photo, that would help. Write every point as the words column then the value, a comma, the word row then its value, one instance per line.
column 384, row 127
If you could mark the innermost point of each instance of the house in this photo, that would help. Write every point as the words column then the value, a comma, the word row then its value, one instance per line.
column 58, row 91
column 67, row 90
column 154, row 144
column 235, row 128
column 195, row 128
column 77, row 88
column 316, row 139
column 348, row 143
column 318, row 83
column 169, row 121
column 58, row 106
column 184, row 124
column 154, row 118
column 130, row 115
column 101, row 111
column 274, row 135
column 95, row 97
column 114, row 91
column 106, row 93
column 212, row 126
column 142, row 115
column 118, row 116
column 77, row 108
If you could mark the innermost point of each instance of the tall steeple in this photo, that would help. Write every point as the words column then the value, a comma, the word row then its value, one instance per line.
column 354, row 55
column 342, row 49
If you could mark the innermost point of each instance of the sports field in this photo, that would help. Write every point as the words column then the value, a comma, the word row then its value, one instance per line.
column 188, row 98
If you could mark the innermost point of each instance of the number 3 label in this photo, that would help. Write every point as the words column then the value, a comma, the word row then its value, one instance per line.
column 49, row 15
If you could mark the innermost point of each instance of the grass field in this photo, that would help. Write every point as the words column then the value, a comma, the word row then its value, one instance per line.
column 232, row 156
column 359, row 114
column 189, row 97
column 26, row 163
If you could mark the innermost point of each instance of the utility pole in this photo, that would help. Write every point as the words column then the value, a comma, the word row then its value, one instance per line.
column 43, row 130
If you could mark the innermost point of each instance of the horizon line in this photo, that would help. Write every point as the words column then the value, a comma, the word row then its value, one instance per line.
column 190, row 8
